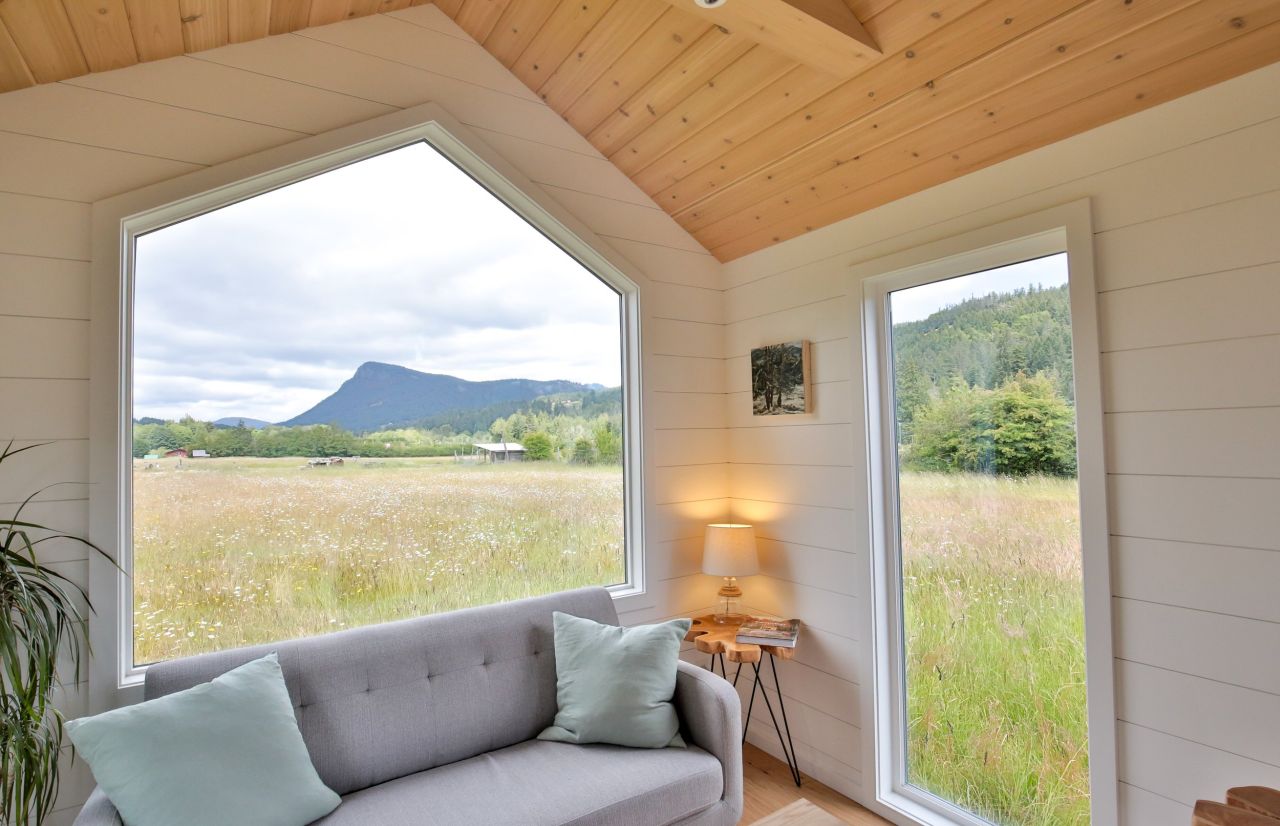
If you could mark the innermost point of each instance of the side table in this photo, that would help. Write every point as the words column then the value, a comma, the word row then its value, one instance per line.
column 719, row 639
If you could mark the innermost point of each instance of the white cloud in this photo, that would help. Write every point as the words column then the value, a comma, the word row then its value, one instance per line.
column 265, row 307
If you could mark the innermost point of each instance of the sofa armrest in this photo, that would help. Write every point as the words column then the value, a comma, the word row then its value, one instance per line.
column 98, row 811
column 711, row 713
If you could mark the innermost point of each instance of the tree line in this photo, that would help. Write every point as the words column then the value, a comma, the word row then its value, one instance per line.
column 582, row 428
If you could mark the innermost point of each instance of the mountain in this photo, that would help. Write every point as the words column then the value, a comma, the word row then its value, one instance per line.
column 236, row 421
column 381, row 396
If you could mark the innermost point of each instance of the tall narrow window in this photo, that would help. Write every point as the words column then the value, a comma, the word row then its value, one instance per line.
column 371, row 394
column 984, row 542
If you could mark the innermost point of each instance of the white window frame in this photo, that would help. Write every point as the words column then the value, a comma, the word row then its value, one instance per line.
column 1067, row 228
column 118, row 221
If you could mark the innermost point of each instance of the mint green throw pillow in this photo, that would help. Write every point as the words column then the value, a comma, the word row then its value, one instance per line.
column 614, row 685
column 227, row 751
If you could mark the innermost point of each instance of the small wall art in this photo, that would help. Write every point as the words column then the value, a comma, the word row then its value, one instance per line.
column 780, row 379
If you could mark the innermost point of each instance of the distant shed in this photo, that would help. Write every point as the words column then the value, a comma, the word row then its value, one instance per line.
column 500, row 451
column 179, row 453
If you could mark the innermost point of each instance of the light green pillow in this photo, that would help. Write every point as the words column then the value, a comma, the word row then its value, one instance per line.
column 227, row 751
column 614, row 685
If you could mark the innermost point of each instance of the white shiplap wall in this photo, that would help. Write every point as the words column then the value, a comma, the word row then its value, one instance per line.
column 1186, row 202
column 65, row 145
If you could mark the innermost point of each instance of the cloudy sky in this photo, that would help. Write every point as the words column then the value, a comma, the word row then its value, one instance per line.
column 920, row 302
column 263, row 308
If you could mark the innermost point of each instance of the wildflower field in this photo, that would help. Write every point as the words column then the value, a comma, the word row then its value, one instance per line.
column 995, row 654
column 231, row 552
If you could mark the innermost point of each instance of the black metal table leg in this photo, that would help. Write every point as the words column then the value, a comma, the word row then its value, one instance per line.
column 794, row 762
column 788, row 747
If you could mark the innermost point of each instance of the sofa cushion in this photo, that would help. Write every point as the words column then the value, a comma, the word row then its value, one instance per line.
column 537, row 783
column 386, row 701
column 226, row 751
column 614, row 685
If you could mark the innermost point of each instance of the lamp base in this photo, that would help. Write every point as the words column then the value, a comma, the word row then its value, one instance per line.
column 729, row 611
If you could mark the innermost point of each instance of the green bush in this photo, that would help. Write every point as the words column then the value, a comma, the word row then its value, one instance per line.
column 537, row 447
column 1021, row 428
column 584, row 452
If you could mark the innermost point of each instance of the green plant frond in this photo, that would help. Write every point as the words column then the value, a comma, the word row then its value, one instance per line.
column 42, row 623
column 10, row 451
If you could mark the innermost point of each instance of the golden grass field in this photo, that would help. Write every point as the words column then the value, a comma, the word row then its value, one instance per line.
column 994, row 616
column 231, row 552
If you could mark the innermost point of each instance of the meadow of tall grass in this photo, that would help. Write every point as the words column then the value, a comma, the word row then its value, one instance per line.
column 231, row 552
column 994, row 624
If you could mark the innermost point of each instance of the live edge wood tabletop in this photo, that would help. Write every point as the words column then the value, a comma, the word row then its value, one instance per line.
column 711, row 637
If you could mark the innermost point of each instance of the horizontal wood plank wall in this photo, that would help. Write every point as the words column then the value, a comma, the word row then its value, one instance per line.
column 1186, row 198
column 64, row 145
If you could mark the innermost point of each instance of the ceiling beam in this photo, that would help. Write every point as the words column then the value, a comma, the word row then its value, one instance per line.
column 823, row 34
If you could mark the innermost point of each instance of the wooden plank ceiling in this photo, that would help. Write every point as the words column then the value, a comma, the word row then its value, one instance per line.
column 745, row 139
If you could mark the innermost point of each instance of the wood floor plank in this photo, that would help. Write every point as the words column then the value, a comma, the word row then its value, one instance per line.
column 767, row 788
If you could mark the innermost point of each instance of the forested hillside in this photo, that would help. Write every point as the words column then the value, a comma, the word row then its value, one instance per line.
column 988, row 340
column 986, row 386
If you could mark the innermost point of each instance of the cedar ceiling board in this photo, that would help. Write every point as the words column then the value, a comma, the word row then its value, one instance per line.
column 248, row 20
column 1144, row 50
column 555, row 41
column 1243, row 53
column 520, row 23
column 449, row 7
column 801, row 30
column 204, row 24
column 14, row 73
column 44, row 37
column 749, row 118
column 664, row 42
column 621, row 26
column 289, row 15
column 1158, row 45
column 792, row 114
column 994, row 24
column 1087, row 27
column 156, row 27
column 695, row 66
column 102, row 29
column 720, row 95
column 866, row 9
column 478, row 17
column 324, row 12
column 909, row 21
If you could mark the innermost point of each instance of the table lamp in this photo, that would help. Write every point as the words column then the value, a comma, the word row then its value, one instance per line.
column 730, row 551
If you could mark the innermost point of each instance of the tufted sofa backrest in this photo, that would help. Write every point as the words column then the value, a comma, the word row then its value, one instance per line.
column 385, row 701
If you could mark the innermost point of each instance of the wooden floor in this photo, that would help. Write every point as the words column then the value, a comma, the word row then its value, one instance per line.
column 767, row 787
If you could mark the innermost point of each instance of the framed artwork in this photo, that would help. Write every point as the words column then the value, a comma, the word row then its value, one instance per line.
column 780, row 379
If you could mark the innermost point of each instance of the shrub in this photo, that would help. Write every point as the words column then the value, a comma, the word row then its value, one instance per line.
column 537, row 447
column 1021, row 428
column 584, row 452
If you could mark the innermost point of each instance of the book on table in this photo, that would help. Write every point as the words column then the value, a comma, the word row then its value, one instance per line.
column 760, row 631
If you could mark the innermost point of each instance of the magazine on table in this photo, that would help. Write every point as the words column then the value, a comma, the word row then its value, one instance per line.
column 761, row 631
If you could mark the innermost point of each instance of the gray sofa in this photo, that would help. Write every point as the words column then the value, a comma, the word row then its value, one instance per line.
column 432, row 720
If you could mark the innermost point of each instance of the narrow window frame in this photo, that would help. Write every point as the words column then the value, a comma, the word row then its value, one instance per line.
column 1067, row 228
column 118, row 221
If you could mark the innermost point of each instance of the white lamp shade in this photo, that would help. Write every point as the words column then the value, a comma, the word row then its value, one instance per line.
column 730, row 550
